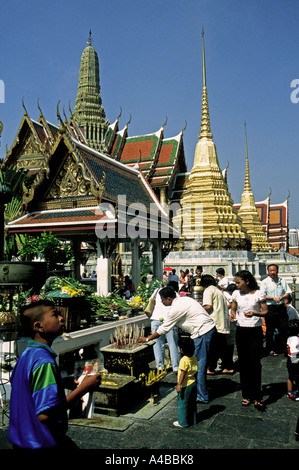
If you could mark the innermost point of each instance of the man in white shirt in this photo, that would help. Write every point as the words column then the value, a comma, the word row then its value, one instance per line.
column 191, row 317
column 276, row 290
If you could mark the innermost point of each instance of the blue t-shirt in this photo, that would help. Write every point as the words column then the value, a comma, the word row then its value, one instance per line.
column 36, row 386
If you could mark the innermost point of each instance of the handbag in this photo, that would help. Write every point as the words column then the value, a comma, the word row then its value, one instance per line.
column 151, row 305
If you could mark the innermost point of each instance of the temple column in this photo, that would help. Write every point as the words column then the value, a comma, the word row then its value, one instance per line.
column 135, row 261
column 76, row 247
column 257, row 268
column 230, row 274
column 103, row 270
column 157, row 259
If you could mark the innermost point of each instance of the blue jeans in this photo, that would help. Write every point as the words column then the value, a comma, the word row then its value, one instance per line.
column 187, row 405
column 159, row 347
column 202, row 346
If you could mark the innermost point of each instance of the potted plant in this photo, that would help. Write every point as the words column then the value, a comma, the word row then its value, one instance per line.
column 48, row 248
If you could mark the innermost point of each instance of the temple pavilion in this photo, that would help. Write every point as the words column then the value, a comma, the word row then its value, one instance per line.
column 104, row 198
column 75, row 193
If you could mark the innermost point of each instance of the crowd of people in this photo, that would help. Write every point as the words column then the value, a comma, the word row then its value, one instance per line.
column 239, row 318
column 230, row 314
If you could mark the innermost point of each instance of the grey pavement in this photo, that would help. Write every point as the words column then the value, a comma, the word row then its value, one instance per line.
column 222, row 424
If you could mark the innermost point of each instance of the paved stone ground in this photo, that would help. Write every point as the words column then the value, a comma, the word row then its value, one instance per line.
column 222, row 424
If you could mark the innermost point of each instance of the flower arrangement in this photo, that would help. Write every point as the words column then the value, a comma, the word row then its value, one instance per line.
column 7, row 309
column 71, row 292
column 5, row 302
column 34, row 298
column 136, row 302
column 145, row 290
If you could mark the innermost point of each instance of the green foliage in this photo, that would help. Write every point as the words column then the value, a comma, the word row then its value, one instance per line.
column 145, row 289
column 145, row 266
column 48, row 247
column 12, row 179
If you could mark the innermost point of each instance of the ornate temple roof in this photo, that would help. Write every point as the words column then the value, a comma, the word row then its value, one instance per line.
column 158, row 158
column 73, row 179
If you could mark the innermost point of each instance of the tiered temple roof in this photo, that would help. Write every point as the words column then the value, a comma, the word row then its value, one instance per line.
column 70, row 181
column 157, row 157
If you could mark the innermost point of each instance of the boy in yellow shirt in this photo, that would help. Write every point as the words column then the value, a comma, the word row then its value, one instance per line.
column 186, row 386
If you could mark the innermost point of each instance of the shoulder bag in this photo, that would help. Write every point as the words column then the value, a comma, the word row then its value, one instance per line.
column 151, row 305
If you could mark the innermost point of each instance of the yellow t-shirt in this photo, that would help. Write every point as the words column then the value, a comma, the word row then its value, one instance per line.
column 190, row 366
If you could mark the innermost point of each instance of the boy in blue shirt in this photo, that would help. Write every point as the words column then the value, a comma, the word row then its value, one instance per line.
column 38, row 405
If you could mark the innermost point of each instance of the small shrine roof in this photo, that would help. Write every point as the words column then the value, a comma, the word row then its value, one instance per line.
column 120, row 179
column 60, row 220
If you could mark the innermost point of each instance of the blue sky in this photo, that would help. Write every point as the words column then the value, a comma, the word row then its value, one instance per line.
column 151, row 66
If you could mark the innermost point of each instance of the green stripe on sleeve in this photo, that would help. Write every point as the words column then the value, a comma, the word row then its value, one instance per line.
column 43, row 376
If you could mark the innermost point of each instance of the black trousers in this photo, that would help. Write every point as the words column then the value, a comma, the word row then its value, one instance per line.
column 249, row 341
column 217, row 350
column 276, row 317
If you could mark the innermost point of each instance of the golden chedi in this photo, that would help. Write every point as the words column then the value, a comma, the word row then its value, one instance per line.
column 249, row 214
column 218, row 225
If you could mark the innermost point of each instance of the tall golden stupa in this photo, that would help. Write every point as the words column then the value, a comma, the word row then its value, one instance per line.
column 249, row 214
column 218, row 225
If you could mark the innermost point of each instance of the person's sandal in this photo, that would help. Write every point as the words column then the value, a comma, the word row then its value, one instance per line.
column 259, row 405
column 246, row 402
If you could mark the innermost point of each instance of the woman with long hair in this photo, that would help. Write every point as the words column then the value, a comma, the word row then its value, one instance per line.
column 248, row 307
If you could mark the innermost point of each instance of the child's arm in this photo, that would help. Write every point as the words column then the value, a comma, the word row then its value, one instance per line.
column 88, row 384
column 180, row 381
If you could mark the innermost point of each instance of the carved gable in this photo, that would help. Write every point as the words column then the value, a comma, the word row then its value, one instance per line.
column 69, row 181
column 29, row 146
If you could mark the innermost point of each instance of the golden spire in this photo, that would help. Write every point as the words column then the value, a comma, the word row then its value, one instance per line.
column 205, row 129
column 247, row 185
column 248, row 212
column 247, row 199
column 217, row 225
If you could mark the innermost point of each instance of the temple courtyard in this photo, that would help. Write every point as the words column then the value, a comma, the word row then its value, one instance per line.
column 148, row 432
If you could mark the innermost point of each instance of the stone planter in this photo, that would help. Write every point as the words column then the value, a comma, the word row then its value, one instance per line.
column 8, row 326
column 30, row 274
column 132, row 362
column 115, row 394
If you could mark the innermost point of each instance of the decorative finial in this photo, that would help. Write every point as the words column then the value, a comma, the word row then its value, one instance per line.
column 205, row 129
column 90, row 40
column 165, row 122
column 247, row 186
column 203, row 58
column 119, row 113
column 24, row 106
column 129, row 121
